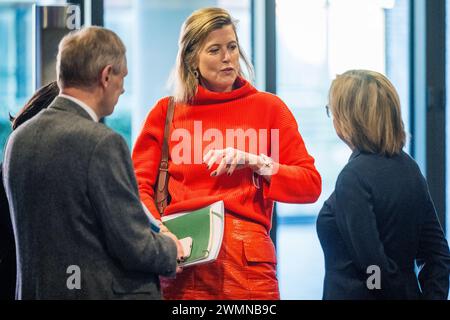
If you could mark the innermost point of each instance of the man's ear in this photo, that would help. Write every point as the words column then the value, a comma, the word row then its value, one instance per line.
column 105, row 76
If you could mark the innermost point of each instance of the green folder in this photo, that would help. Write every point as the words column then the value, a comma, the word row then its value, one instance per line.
column 204, row 226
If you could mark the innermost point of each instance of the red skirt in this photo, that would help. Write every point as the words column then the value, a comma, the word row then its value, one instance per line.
column 244, row 270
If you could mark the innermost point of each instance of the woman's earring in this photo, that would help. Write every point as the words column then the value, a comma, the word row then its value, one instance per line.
column 195, row 73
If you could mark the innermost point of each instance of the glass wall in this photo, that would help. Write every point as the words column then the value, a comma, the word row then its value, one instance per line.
column 16, row 61
column 315, row 41
column 447, row 122
column 117, row 17
column 17, row 58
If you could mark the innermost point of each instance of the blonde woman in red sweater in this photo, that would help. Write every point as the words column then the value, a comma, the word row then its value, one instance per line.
column 228, row 142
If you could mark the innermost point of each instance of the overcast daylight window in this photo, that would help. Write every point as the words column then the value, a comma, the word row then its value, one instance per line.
column 315, row 41
column 16, row 62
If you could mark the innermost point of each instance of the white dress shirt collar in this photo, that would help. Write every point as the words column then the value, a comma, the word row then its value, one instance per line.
column 86, row 108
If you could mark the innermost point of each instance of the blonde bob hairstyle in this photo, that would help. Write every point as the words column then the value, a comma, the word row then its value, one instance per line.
column 193, row 34
column 366, row 112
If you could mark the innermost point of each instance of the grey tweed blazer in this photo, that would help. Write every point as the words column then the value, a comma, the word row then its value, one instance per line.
column 79, row 227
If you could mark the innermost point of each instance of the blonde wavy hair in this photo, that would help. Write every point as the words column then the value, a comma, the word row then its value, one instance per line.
column 366, row 112
column 193, row 34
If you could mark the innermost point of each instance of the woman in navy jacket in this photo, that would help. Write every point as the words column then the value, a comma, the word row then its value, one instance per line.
column 379, row 229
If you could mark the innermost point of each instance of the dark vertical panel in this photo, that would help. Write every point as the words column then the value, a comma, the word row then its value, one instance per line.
column 271, row 74
column 97, row 19
column 435, row 132
column 412, row 44
column 271, row 50
column 97, row 13
column 252, row 31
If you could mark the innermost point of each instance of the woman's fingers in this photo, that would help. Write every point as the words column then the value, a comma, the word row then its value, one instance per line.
column 208, row 155
column 227, row 158
column 222, row 166
column 233, row 165
column 213, row 159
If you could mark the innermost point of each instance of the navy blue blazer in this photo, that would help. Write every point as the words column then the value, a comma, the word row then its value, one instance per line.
column 381, row 214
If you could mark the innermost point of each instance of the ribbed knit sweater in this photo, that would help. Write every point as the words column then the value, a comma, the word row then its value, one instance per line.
column 190, row 184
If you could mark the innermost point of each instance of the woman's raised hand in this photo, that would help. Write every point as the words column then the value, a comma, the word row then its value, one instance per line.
column 230, row 159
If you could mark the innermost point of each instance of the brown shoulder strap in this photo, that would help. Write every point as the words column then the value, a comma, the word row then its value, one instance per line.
column 162, row 192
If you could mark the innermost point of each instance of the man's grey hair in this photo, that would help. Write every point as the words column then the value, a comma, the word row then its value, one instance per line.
column 84, row 53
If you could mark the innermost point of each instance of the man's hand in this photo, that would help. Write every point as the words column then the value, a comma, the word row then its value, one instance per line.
column 180, row 252
column 163, row 228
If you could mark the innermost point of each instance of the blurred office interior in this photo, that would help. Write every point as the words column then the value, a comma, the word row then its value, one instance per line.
column 297, row 48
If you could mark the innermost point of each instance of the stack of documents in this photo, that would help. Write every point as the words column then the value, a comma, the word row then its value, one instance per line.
column 205, row 226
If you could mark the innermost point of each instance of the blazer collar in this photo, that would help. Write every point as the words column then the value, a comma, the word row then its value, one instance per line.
column 63, row 104
column 354, row 154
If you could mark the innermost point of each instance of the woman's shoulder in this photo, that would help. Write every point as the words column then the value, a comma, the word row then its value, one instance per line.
column 361, row 159
column 372, row 168
column 269, row 97
column 357, row 167
column 363, row 162
column 162, row 103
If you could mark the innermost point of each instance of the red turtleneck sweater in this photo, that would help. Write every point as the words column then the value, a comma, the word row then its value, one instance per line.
column 190, row 183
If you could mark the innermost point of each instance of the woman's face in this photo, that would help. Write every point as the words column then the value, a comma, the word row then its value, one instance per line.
column 218, row 60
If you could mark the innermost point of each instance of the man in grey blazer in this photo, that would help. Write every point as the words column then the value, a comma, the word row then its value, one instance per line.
column 80, row 229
